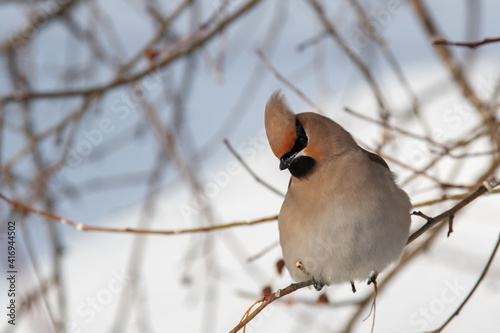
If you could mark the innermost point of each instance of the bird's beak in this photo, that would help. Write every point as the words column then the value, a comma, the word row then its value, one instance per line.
column 285, row 162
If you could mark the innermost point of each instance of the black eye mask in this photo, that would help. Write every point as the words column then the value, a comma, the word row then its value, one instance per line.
column 299, row 166
column 300, row 142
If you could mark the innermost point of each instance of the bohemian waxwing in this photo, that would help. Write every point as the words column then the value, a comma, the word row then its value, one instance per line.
column 344, row 219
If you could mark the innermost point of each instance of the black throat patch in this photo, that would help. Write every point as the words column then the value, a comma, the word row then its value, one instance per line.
column 302, row 166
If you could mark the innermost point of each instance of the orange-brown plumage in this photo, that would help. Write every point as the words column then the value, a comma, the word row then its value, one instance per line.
column 281, row 119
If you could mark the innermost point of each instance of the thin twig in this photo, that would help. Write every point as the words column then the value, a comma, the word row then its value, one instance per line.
column 160, row 33
column 331, row 30
column 183, row 50
column 393, row 63
column 137, row 251
column 446, row 198
column 83, row 227
column 285, row 81
column 476, row 154
column 431, row 222
column 311, row 41
column 471, row 45
column 250, row 171
column 25, row 33
column 263, row 251
column 266, row 300
column 396, row 129
column 483, row 274
column 249, row 92
column 445, row 55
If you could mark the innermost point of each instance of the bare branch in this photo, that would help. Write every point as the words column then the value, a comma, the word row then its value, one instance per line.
column 396, row 129
column 446, row 198
column 266, row 300
column 285, row 81
column 471, row 45
column 26, row 32
column 83, row 227
column 445, row 55
column 250, row 171
column 431, row 222
column 331, row 30
column 483, row 274
column 183, row 50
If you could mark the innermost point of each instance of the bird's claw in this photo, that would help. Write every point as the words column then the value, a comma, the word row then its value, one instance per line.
column 318, row 285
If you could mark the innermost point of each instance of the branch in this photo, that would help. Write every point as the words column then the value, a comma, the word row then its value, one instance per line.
column 446, row 57
column 447, row 198
column 25, row 33
column 396, row 129
column 483, row 274
column 449, row 214
column 470, row 45
column 285, row 81
column 392, row 61
column 311, row 41
column 183, row 50
column 160, row 33
column 268, row 299
column 82, row 227
column 365, row 71
column 250, row 171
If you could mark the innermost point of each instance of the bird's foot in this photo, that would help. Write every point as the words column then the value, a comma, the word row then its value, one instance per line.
column 318, row 285
column 353, row 287
column 373, row 278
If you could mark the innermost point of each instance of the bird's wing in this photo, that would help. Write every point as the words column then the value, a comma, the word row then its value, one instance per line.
column 375, row 158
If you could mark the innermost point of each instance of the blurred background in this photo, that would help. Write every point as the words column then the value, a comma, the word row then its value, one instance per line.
column 113, row 114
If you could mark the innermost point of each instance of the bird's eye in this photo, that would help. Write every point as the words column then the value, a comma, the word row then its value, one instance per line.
column 302, row 139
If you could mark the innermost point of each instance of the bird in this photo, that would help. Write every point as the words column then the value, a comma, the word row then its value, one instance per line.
column 344, row 218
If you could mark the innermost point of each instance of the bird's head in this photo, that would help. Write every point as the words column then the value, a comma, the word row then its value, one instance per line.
column 302, row 141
